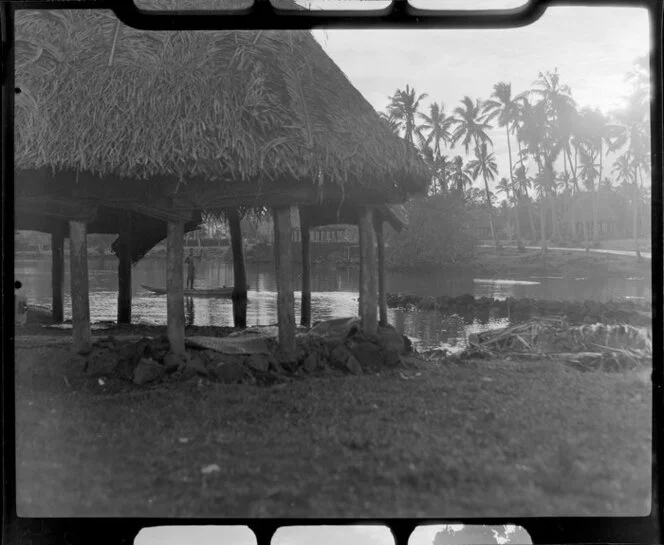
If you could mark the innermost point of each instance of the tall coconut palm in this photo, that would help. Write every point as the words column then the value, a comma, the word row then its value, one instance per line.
column 560, row 114
column 622, row 170
column 535, row 132
column 438, row 125
column 556, row 96
column 639, row 77
column 391, row 123
column 510, row 191
column 596, row 132
column 470, row 126
column 505, row 109
column 403, row 108
column 523, row 184
column 632, row 133
column 484, row 164
column 439, row 170
column 459, row 177
column 540, row 185
column 589, row 172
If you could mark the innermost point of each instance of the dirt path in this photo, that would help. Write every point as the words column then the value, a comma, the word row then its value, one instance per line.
column 480, row 439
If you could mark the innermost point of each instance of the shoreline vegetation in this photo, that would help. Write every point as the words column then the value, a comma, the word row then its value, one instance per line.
column 508, row 262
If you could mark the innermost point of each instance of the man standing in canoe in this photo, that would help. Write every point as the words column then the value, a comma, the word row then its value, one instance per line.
column 191, row 269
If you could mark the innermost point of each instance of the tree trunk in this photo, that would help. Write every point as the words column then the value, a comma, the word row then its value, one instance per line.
column 519, row 239
column 572, row 206
column 80, row 301
column 175, row 286
column 239, row 272
column 380, row 246
column 283, row 265
column 124, row 270
column 542, row 212
column 519, row 242
column 596, row 193
column 531, row 217
column 491, row 225
column 57, row 275
column 584, row 219
column 305, row 313
column 369, row 281
column 554, row 218
column 635, row 215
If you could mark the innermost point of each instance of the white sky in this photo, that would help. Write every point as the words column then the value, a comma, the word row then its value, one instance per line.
column 593, row 49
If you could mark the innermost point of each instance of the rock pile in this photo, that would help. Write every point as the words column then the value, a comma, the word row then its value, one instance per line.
column 335, row 346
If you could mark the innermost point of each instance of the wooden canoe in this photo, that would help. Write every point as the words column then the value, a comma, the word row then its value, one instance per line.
column 216, row 292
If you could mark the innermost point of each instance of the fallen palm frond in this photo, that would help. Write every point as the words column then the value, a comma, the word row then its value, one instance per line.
column 623, row 347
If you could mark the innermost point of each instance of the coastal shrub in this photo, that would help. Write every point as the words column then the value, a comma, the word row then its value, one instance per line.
column 439, row 233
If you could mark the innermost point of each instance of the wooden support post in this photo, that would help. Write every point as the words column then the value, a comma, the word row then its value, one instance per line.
column 380, row 244
column 124, row 271
column 175, row 286
column 283, row 265
column 359, row 241
column 239, row 272
column 58, row 275
column 369, row 276
column 80, row 300
column 305, row 315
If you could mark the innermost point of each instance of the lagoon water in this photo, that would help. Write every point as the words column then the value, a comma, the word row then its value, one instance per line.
column 334, row 294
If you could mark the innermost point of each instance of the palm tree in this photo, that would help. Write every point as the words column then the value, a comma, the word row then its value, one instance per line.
column 506, row 109
column 632, row 133
column 640, row 79
column 596, row 132
column 470, row 126
column 484, row 164
column 510, row 191
column 589, row 173
column 560, row 111
column 391, row 123
column 535, row 131
column 622, row 168
column 556, row 97
column 459, row 177
column 403, row 108
column 438, row 166
column 523, row 184
column 541, row 188
column 438, row 124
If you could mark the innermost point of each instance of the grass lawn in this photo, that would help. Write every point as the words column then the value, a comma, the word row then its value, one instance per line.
column 484, row 439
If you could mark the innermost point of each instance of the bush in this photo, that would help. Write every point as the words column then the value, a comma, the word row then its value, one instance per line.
column 439, row 233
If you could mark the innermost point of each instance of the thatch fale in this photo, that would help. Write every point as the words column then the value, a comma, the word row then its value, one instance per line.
column 213, row 119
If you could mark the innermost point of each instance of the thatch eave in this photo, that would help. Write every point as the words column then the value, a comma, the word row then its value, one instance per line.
column 242, row 105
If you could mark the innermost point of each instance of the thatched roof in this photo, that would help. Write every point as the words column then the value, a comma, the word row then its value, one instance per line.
column 220, row 117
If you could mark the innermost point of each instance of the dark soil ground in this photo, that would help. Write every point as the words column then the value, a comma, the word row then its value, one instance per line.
column 471, row 438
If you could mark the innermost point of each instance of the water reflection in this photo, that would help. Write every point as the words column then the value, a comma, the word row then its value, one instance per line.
column 334, row 295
